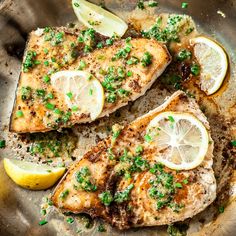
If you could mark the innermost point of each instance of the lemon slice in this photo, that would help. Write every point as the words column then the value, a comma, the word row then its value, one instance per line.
column 181, row 140
column 31, row 175
column 83, row 93
column 213, row 61
column 101, row 20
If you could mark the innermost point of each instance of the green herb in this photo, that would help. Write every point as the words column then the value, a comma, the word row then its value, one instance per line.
column 2, row 143
column 74, row 108
column 233, row 142
column 177, row 230
column 47, row 29
column 129, row 73
column 171, row 119
column 40, row 93
column 123, row 195
column 109, row 42
column 140, row 5
column 64, row 194
column 30, row 61
column 53, row 59
column 26, row 93
column 178, row 185
column 57, row 111
column 43, row 212
column 69, row 95
column 45, row 50
column 58, row 38
column 101, row 228
column 49, row 96
column 106, row 198
column 43, row 222
column 184, row 5
column 185, row 181
column 221, row 209
column 133, row 61
column 100, row 45
column 46, row 63
column 152, row 4
column 19, row 114
column 76, row 4
column 189, row 31
column 82, row 65
column 87, row 49
column 90, row 92
column 195, row 69
column 146, row 60
column 138, row 164
column 123, row 92
column 83, row 178
column 49, row 106
column 184, row 55
column 66, row 116
column 70, row 220
column 139, row 149
column 46, row 79
column 127, row 176
column 115, row 134
column 147, row 138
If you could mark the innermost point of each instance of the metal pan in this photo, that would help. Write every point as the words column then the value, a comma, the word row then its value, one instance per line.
column 19, row 208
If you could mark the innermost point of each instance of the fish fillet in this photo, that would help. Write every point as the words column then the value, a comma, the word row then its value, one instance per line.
column 104, row 170
column 42, row 59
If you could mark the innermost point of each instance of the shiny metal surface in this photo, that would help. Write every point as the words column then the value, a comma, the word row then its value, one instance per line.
column 19, row 208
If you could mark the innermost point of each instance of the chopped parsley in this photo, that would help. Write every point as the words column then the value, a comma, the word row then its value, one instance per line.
column 101, row 228
column 129, row 73
column 152, row 4
column 171, row 119
column 46, row 79
column 82, row 65
column 69, row 95
column 139, row 149
column 19, row 114
column 178, row 185
column 64, row 194
column 106, row 198
column 184, row 5
column 49, row 106
column 26, row 93
column 2, row 143
column 30, row 61
column 147, row 138
column 184, row 55
column 233, row 142
column 123, row 195
column 83, row 177
column 76, row 4
column 140, row 5
column 146, row 60
column 43, row 222
column 70, row 220
column 195, row 69
column 221, row 209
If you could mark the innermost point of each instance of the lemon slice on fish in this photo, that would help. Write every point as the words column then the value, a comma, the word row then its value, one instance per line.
column 99, row 19
column 83, row 93
column 213, row 61
column 181, row 140
column 31, row 175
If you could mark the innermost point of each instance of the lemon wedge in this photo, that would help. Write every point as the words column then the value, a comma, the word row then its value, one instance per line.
column 99, row 19
column 180, row 139
column 83, row 93
column 213, row 61
column 31, row 175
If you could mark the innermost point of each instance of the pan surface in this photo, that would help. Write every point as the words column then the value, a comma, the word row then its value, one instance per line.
column 19, row 208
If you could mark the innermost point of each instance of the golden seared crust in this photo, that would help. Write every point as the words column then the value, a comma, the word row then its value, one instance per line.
column 67, row 55
column 139, row 209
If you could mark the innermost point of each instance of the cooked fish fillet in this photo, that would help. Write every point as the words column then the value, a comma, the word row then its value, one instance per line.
column 57, row 50
column 104, row 170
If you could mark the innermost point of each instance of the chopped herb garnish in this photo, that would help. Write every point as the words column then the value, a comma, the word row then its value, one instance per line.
column 133, row 61
column 195, row 69
column 233, row 142
column 45, row 50
column 123, row 195
column 90, row 92
column 57, row 111
column 185, row 181
column 171, row 119
column 101, row 228
column 178, row 185
column 139, row 149
column 40, row 93
column 2, row 143
column 46, row 63
column 100, row 45
column 69, row 95
column 19, row 114
column 82, row 65
column 109, row 42
column 106, row 198
column 30, row 61
column 184, row 5
column 53, row 59
column 70, row 220
column 221, row 209
column 184, row 55
column 74, row 108
column 43, row 222
column 146, row 60
column 26, row 93
column 43, row 212
column 152, row 4
column 83, row 177
column 64, row 194
column 76, row 4
column 189, row 31
column 49, row 106
column 129, row 73
column 140, row 5
column 147, row 138
column 46, row 79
